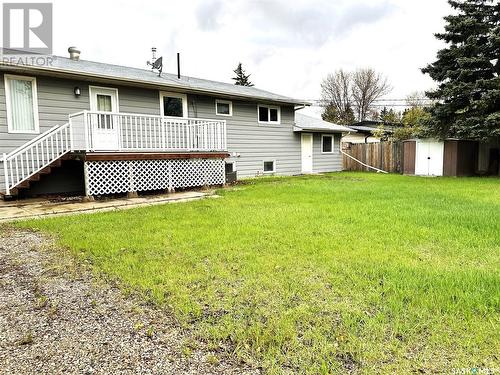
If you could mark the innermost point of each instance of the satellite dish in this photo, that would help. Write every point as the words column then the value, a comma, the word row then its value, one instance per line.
column 157, row 63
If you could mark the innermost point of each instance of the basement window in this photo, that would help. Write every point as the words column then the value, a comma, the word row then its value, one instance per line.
column 268, row 114
column 230, row 167
column 269, row 166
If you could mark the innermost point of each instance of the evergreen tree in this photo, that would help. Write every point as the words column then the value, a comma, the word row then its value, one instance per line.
column 241, row 79
column 467, row 71
column 389, row 116
column 331, row 114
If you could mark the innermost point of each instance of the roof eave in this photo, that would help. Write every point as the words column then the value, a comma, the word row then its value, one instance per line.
column 299, row 129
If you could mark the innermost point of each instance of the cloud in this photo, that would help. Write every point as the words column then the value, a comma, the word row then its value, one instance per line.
column 208, row 15
column 288, row 47
column 310, row 24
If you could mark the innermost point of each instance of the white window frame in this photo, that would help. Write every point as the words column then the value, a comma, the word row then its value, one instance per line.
column 269, row 122
column 333, row 143
column 274, row 166
column 34, row 90
column 170, row 94
column 217, row 101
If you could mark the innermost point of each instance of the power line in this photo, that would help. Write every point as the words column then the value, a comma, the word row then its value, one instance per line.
column 384, row 100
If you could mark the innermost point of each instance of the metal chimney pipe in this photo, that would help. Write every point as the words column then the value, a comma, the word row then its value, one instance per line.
column 178, row 65
column 74, row 53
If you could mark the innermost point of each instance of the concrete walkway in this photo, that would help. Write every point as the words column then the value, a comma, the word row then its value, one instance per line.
column 39, row 208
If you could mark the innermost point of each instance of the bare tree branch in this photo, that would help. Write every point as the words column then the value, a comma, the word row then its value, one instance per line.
column 336, row 94
column 367, row 86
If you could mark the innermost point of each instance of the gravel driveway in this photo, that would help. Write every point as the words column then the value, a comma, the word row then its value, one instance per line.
column 55, row 317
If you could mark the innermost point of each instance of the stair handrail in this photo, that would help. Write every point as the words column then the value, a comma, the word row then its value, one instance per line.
column 26, row 145
column 55, row 154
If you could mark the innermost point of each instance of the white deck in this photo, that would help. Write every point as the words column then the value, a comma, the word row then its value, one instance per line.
column 93, row 131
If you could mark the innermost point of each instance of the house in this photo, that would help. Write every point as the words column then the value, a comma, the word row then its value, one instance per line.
column 365, row 132
column 76, row 126
column 450, row 157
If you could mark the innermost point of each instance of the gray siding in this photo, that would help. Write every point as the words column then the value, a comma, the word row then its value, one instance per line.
column 254, row 142
column 56, row 100
column 249, row 142
column 326, row 162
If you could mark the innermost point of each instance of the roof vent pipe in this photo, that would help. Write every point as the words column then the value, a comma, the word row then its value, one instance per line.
column 178, row 65
column 74, row 53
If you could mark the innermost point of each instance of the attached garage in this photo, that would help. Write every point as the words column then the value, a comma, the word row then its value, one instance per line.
column 431, row 157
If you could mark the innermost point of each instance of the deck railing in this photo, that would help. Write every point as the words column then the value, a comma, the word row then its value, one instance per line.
column 112, row 131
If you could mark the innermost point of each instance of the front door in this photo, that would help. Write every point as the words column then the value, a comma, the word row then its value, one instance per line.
column 307, row 153
column 105, row 127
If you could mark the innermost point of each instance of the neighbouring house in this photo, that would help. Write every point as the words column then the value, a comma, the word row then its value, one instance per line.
column 83, row 127
column 364, row 132
column 450, row 157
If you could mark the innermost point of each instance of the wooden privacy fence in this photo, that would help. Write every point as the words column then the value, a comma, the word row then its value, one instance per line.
column 387, row 156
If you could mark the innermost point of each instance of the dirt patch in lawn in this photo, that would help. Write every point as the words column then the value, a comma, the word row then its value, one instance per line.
column 56, row 317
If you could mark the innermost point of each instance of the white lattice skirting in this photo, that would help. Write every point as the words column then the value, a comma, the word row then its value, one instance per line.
column 121, row 176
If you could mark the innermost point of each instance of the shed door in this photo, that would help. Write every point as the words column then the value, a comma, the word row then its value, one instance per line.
column 307, row 153
column 429, row 158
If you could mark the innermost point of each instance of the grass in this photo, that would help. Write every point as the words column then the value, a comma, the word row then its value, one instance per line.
column 340, row 272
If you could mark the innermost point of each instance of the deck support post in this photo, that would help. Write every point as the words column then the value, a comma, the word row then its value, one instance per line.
column 132, row 194
column 88, row 197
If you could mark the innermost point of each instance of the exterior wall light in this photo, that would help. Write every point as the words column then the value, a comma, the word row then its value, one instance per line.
column 77, row 91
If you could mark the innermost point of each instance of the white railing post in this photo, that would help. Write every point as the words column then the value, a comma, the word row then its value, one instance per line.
column 72, row 147
column 116, row 121
column 86, row 131
column 6, row 174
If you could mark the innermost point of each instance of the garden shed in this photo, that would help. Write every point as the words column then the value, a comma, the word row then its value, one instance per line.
column 432, row 157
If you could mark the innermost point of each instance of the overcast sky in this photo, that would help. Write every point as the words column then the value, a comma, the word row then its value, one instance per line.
column 288, row 46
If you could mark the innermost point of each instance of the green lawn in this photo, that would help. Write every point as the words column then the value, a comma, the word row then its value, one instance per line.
column 340, row 272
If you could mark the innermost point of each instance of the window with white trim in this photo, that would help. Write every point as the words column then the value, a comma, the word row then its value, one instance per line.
column 327, row 144
column 223, row 107
column 173, row 104
column 269, row 166
column 22, row 106
column 268, row 114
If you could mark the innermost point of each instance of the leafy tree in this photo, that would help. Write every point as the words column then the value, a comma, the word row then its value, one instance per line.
column 241, row 79
column 389, row 116
column 467, row 71
column 411, row 123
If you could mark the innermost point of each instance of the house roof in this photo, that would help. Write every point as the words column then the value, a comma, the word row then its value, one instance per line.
column 66, row 66
column 308, row 123
column 369, row 126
